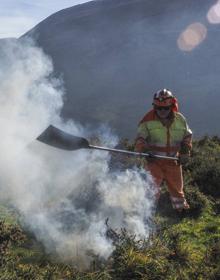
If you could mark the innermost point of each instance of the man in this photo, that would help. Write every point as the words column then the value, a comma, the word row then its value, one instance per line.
column 164, row 131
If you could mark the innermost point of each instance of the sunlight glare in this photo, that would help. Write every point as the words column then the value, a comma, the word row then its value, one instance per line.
column 192, row 36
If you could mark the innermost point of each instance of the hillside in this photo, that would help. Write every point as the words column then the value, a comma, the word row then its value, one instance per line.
column 113, row 55
column 181, row 246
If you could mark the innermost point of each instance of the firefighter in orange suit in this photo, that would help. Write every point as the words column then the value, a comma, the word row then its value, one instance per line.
column 164, row 131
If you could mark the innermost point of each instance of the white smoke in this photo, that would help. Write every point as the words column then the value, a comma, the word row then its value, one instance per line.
column 64, row 197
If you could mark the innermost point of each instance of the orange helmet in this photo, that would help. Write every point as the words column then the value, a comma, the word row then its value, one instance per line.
column 165, row 98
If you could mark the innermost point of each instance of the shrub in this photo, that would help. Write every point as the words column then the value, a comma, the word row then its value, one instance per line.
column 205, row 166
column 198, row 202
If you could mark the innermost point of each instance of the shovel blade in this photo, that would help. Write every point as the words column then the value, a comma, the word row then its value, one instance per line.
column 59, row 139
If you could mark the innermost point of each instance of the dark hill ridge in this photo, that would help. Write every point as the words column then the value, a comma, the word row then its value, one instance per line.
column 113, row 54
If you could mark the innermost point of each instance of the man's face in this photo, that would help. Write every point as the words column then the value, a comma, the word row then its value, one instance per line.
column 163, row 112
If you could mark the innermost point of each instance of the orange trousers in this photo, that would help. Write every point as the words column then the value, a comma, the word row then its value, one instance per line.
column 170, row 172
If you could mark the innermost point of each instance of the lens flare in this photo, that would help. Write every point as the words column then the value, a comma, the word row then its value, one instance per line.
column 213, row 14
column 192, row 36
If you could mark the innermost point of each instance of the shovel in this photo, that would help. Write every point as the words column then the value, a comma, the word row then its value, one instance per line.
column 55, row 137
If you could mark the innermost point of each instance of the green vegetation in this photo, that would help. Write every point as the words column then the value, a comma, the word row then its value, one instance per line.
column 182, row 246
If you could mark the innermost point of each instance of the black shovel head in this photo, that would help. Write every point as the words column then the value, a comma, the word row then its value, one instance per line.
column 57, row 138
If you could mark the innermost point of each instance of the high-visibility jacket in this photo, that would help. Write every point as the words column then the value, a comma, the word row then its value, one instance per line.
column 161, row 139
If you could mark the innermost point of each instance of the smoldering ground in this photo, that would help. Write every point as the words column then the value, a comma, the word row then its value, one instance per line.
column 63, row 197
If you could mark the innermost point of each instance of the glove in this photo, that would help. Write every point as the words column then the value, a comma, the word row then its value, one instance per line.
column 151, row 155
column 150, row 158
column 184, row 159
column 140, row 147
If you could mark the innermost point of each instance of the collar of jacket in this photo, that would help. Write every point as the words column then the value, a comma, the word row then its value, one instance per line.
column 152, row 115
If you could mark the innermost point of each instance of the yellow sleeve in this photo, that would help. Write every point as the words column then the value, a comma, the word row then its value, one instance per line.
column 186, row 144
column 142, row 131
column 141, row 139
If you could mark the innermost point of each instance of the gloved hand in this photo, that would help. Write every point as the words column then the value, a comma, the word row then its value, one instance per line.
column 140, row 148
column 150, row 158
column 151, row 155
column 184, row 159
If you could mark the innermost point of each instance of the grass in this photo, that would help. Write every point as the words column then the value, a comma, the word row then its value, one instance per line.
column 183, row 246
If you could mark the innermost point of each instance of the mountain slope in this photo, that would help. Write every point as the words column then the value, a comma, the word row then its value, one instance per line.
column 114, row 54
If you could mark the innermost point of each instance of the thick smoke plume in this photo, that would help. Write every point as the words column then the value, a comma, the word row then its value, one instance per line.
column 63, row 197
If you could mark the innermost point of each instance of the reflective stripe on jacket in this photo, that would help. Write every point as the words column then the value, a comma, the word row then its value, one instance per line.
column 161, row 139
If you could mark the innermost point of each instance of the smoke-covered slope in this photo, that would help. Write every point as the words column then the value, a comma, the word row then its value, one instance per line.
column 113, row 54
